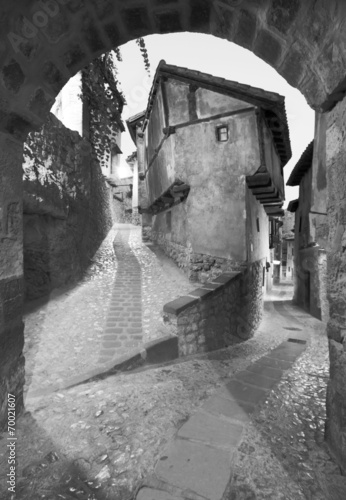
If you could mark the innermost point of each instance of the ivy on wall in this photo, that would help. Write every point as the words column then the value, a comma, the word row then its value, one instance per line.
column 104, row 104
column 105, row 101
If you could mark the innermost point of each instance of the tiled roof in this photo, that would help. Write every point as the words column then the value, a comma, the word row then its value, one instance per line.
column 271, row 103
column 302, row 166
column 131, row 124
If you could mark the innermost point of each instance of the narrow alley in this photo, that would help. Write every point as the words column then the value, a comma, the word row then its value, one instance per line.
column 88, row 433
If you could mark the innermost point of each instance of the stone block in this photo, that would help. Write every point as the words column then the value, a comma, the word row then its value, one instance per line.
column 104, row 8
column 246, row 30
column 293, row 67
column 92, row 36
column 168, row 22
column 52, row 76
column 194, row 466
column 136, row 20
column 13, row 76
column 201, row 293
column 274, row 363
column 288, row 351
column 256, row 379
column 282, row 14
column 74, row 58
column 179, row 305
column 268, row 48
column 224, row 279
column 212, row 285
column 115, row 38
column 40, row 103
column 200, row 11
column 16, row 125
column 235, row 410
column 266, row 371
column 239, row 391
column 212, row 430
column 150, row 494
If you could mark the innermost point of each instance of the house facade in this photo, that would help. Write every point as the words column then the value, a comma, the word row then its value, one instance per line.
column 311, row 228
column 211, row 154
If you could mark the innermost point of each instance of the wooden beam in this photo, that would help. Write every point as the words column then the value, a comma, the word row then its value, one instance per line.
column 258, row 180
column 263, row 190
column 264, row 196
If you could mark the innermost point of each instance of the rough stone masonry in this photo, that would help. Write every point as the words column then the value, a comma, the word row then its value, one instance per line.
column 303, row 40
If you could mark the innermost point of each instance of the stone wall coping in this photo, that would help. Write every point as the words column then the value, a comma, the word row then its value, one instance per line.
column 179, row 305
column 225, row 278
column 212, row 286
column 201, row 292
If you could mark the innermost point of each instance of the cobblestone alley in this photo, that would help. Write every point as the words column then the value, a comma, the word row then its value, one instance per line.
column 107, row 438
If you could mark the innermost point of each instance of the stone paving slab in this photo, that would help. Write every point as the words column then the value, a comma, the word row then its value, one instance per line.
column 255, row 379
column 233, row 410
column 194, row 466
column 212, row 430
column 149, row 494
column 287, row 352
column 274, row 363
column 266, row 371
column 201, row 455
column 238, row 391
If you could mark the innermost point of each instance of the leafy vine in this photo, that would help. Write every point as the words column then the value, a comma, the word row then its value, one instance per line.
column 105, row 104
column 142, row 47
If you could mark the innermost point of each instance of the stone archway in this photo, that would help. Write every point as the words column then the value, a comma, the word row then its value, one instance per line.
column 44, row 43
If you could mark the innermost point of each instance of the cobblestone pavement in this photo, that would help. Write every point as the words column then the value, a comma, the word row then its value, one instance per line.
column 115, row 307
column 99, row 440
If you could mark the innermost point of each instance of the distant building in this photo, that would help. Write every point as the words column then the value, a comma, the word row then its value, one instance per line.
column 211, row 153
column 311, row 228
column 287, row 247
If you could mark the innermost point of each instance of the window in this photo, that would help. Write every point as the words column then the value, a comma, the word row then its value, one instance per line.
column 258, row 224
column 222, row 133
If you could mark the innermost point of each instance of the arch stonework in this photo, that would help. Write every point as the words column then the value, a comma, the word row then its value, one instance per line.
column 43, row 43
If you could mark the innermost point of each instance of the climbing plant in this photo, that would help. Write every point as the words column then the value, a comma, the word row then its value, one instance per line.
column 142, row 47
column 104, row 101
column 100, row 91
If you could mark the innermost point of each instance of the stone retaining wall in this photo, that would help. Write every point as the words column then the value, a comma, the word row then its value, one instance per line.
column 68, row 208
column 199, row 267
column 221, row 312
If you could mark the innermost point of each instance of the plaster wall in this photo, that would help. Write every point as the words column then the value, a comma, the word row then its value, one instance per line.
column 214, row 213
column 310, row 276
column 215, row 210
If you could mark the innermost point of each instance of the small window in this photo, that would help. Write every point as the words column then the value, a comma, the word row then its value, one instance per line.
column 258, row 224
column 222, row 133
column 300, row 224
